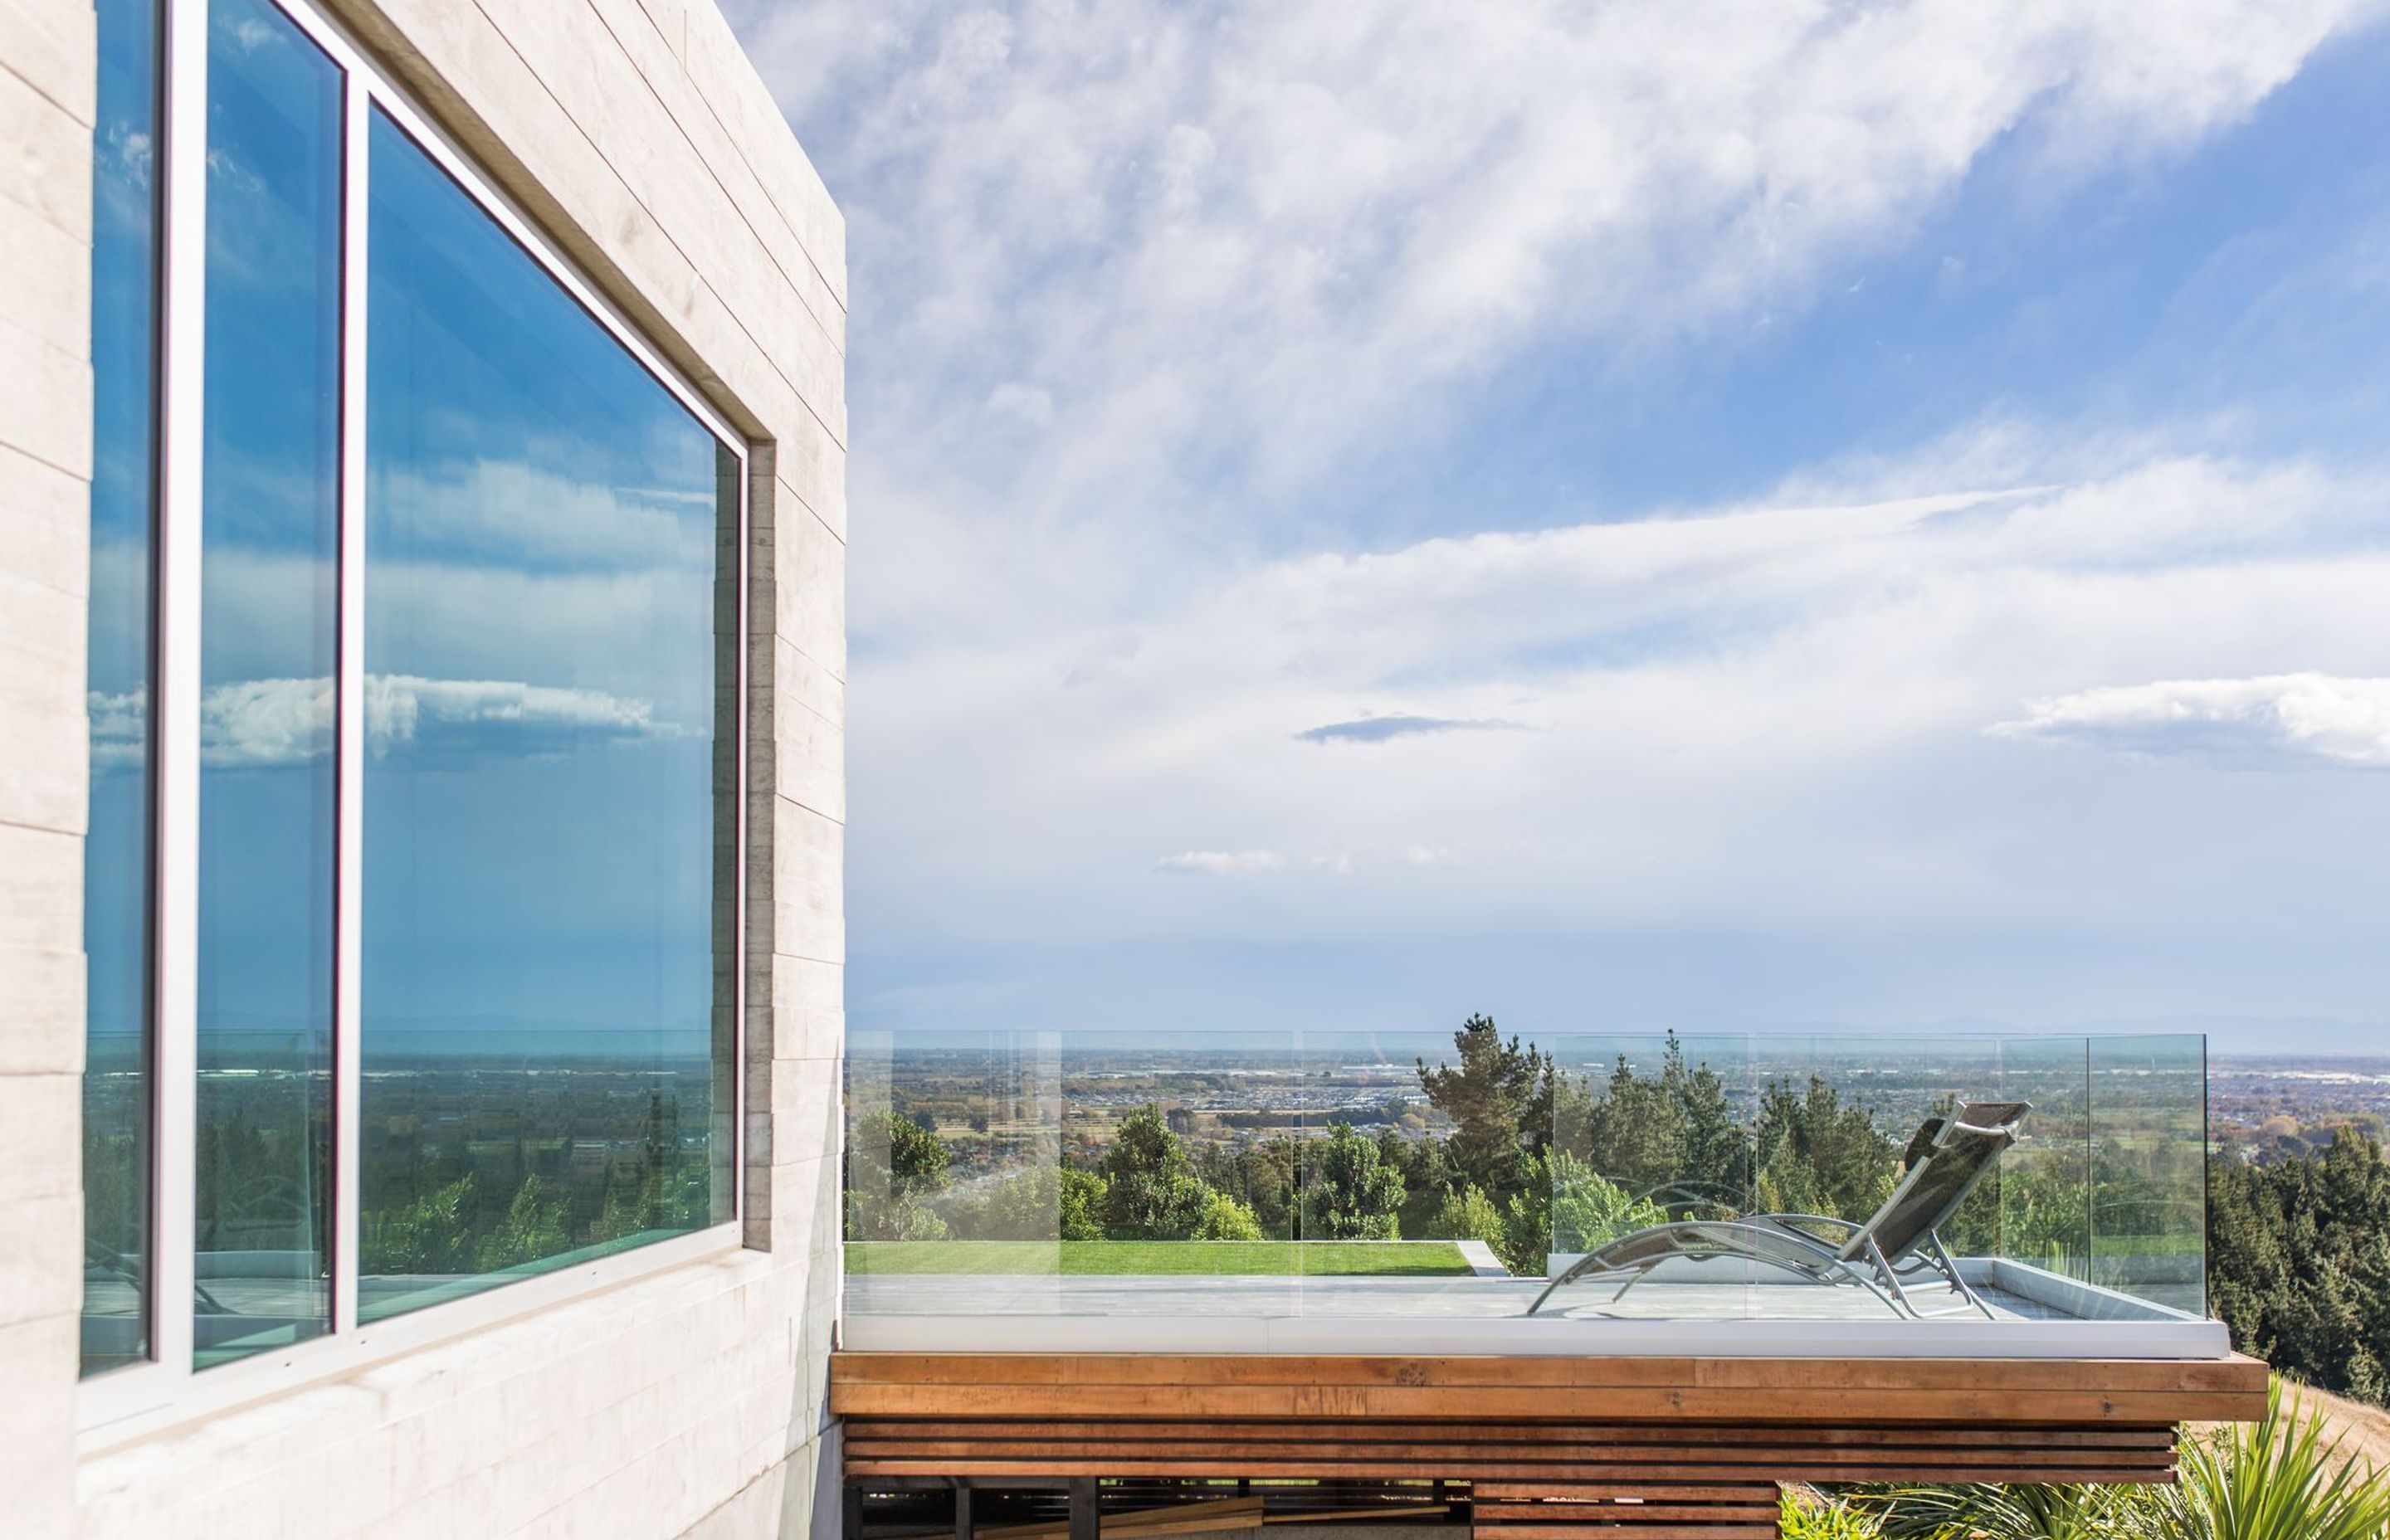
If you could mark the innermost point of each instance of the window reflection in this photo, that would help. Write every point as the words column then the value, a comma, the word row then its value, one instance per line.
column 544, row 1026
column 116, row 1087
column 267, row 651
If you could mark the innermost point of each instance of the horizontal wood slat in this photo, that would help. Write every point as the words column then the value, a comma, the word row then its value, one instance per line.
column 1226, row 1458
column 1282, row 1434
column 1962, row 1407
column 1809, row 1375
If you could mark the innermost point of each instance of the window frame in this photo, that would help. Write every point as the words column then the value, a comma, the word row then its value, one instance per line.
column 118, row 1405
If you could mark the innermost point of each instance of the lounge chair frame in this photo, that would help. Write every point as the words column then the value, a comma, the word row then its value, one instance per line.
column 1855, row 1255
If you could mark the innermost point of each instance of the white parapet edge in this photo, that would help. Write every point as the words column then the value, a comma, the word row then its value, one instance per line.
column 1538, row 1337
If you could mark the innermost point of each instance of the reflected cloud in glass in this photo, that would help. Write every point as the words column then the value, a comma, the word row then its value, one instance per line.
column 268, row 631
column 545, row 1003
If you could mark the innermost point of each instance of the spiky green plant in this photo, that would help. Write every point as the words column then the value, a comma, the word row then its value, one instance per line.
column 1803, row 1515
column 2023, row 1512
column 2280, row 1479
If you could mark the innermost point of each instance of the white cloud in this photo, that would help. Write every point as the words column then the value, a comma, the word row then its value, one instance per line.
column 477, row 511
column 266, row 722
column 2281, row 721
column 261, row 723
column 1742, row 713
column 1236, row 246
column 1221, row 863
column 402, row 710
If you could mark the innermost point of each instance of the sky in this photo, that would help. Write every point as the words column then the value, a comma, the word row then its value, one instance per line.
column 1722, row 516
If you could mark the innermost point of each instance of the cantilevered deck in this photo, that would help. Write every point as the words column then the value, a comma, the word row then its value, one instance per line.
column 1540, row 1447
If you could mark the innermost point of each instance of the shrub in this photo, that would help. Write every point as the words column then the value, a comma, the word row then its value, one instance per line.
column 1803, row 1515
column 1226, row 1219
column 1467, row 1214
column 1589, row 1210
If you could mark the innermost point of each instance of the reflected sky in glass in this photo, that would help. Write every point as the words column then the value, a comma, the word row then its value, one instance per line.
column 541, row 1009
column 268, row 639
column 116, row 1092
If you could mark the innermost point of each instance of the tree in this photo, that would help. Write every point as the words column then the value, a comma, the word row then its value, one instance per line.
column 1635, row 1134
column 1082, row 1205
column 2299, row 1263
column 1499, row 1099
column 1021, row 1205
column 1349, row 1191
column 917, row 1159
column 1429, row 1178
column 429, row 1235
column 1262, row 1176
column 1151, row 1190
column 1817, row 1154
column 1672, row 1133
column 893, row 1166
column 533, row 1228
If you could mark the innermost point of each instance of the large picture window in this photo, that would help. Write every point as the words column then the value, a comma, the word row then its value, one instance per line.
column 541, row 659
column 413, row 909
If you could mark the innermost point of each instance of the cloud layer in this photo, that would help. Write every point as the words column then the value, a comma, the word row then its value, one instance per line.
column 2284, row 722
column 1136, row 276
column 1174, row 331
column 1743, row 713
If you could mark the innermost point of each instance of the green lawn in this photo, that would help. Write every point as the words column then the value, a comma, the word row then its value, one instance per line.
column 1317, row 1258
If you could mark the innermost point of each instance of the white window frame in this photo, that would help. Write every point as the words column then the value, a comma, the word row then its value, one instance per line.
column 123, row 1404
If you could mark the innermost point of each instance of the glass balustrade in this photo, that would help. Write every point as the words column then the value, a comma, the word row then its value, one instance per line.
column 1500, row 1191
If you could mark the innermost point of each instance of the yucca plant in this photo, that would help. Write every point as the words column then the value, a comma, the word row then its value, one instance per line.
column 2280, row 1480
column 2020, row 1512
column 1805, row 1515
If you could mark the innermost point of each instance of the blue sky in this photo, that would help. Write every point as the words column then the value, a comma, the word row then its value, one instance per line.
column 1719, row 515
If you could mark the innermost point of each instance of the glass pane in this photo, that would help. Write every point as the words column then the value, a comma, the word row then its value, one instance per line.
column 959, row 1197
column 116, row 1087
column 2148, row 1145
column 268, row 635
column 548, row 778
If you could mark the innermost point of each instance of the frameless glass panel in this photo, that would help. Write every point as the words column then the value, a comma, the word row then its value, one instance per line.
column 959, row 1198
column 117, row 854
column 2148, row 1153
column 2032, row 1210
column 549, row 612
column 269, row 638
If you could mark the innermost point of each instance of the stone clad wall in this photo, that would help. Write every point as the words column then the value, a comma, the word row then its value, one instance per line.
column 689, row 1401
column 49, row 95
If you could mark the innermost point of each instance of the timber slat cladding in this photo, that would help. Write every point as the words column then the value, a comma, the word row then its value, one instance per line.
column 1526, row 1462
column 1548, row 1448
